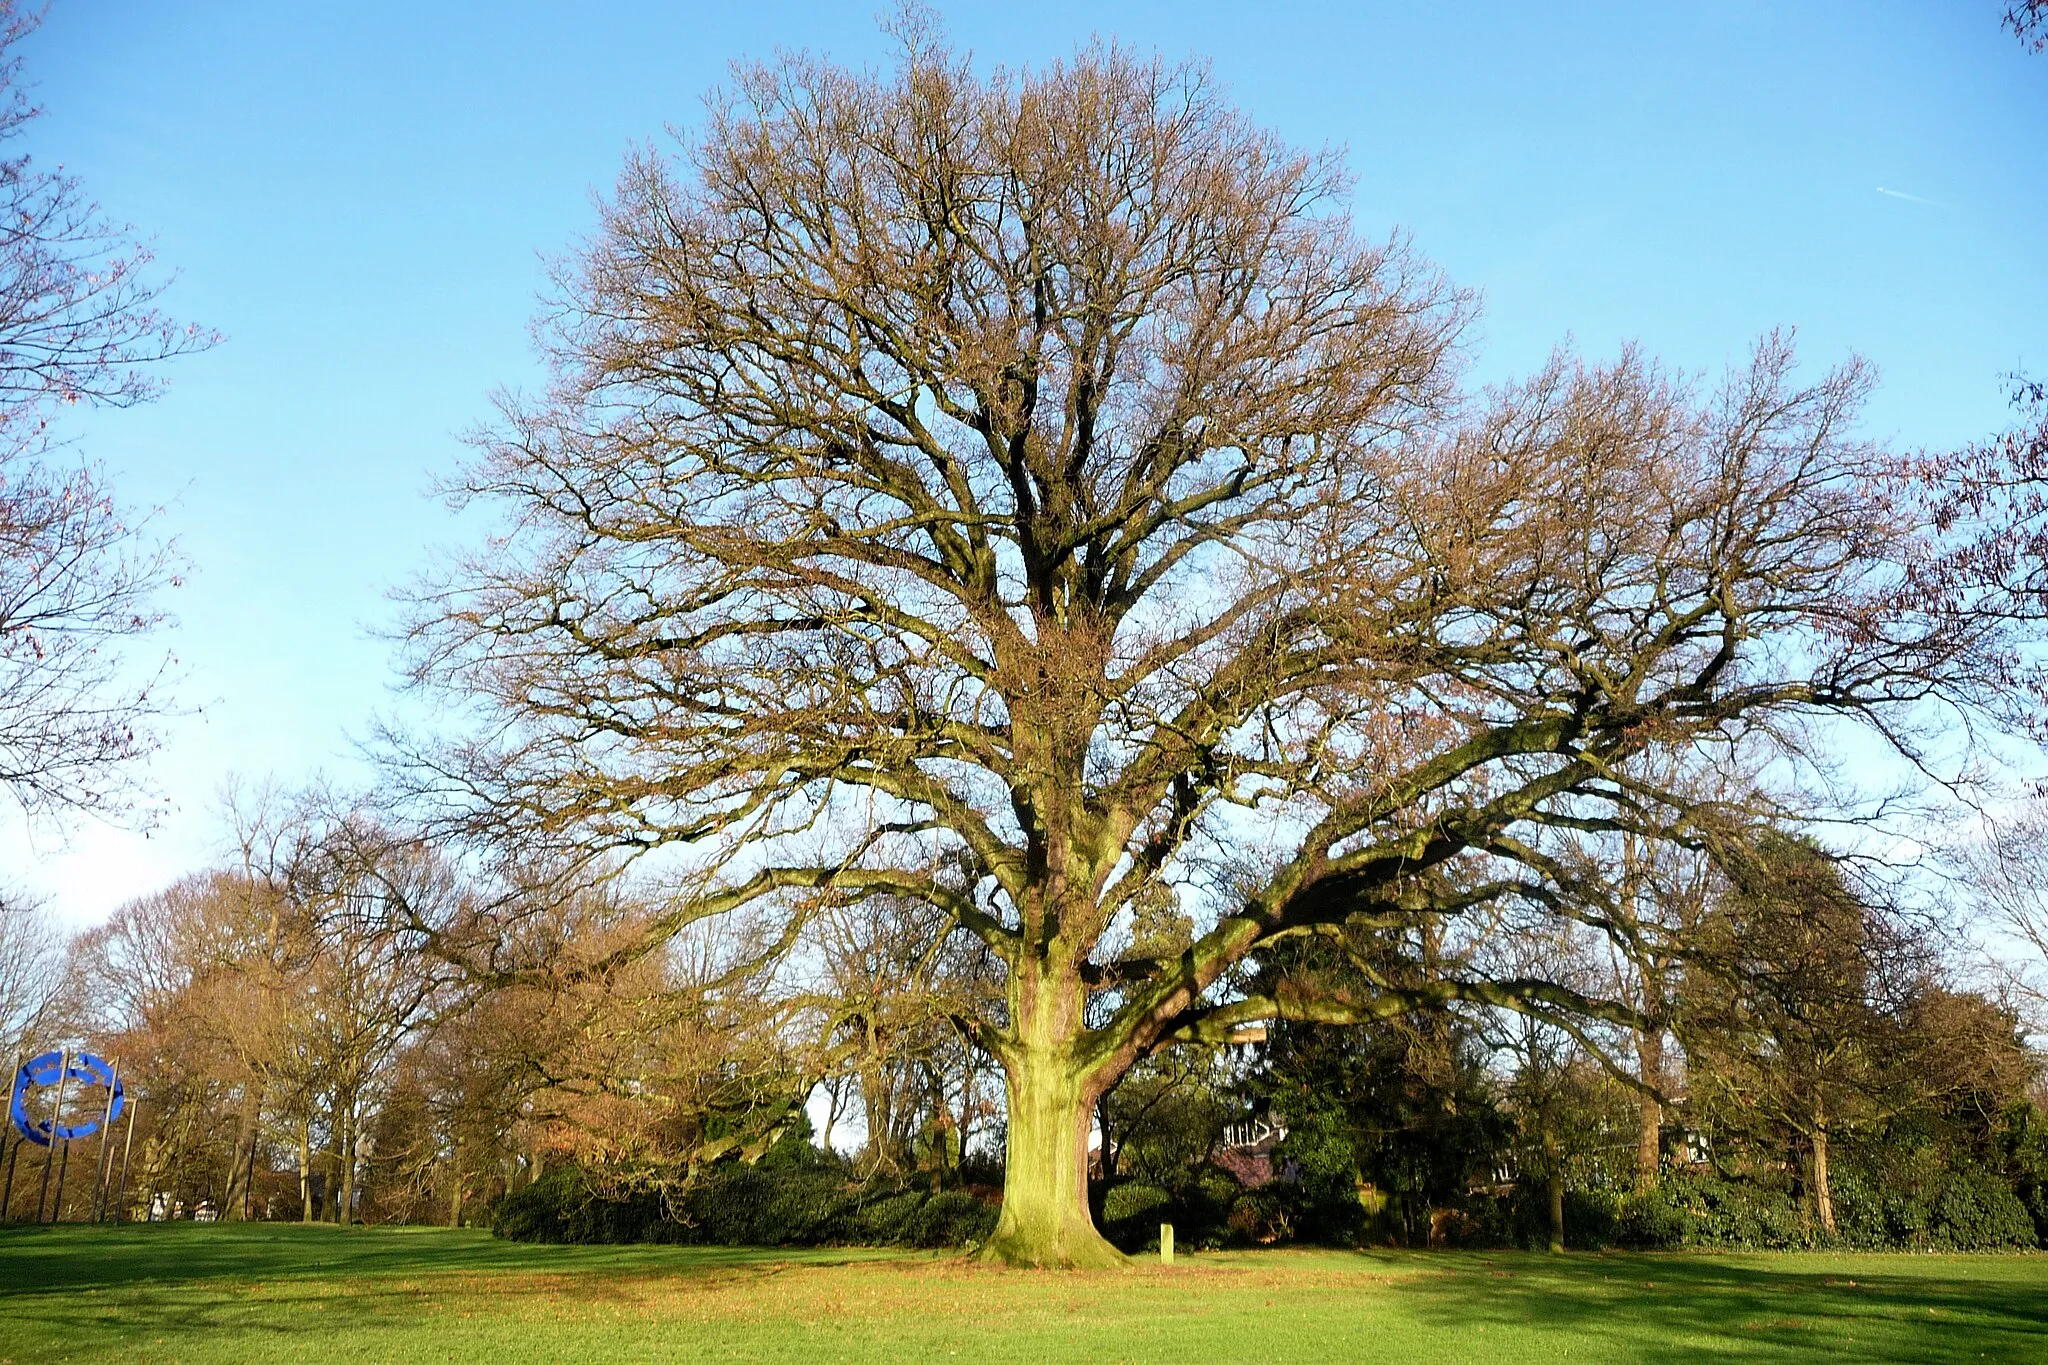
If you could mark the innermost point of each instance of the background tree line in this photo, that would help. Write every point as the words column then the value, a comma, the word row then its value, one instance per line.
column 306, row 1041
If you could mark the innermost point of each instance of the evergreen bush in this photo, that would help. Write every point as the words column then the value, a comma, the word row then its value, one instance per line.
column 788, row 1203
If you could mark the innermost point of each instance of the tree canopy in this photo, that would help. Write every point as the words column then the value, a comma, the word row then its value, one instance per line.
column 1029, row 494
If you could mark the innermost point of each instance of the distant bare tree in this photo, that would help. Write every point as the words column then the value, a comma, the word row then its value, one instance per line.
column 361, row 889
column 190, row 990
column 2007, row 874
column 32, row 979
column 895, row 976
column 1654, row 893
column 78, row 324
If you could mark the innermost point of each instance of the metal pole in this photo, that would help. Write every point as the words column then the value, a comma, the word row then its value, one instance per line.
column 57, row 1205
column 99, row 1167
column 121, row 1196
column 56, row 1114
column 14, row 1153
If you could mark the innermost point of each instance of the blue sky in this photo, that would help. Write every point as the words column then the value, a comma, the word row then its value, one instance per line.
column 362, row 199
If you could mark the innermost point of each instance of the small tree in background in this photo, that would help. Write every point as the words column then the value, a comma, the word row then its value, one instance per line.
column 1792, row 1016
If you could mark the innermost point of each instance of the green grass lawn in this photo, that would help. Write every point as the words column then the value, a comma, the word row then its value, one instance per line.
column 280, row 1293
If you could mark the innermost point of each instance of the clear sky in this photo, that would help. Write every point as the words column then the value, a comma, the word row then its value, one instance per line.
column 361, row 198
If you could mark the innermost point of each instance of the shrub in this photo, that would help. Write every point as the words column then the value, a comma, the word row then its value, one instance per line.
column 950, row 1218
column 884, row 1221
column 1976, row 1211
column 1201, row 1214
column 1650, row 1220
column 771, row 1206
column 1260, row 1217
column 1738, row 1214
column 1325, row 1192
column 794, row 1202
column 566, row 1205
column 1133, row 1200
column 1132, row 1213
column 1591, row 1219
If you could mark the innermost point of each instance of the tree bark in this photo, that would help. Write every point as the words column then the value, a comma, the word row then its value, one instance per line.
column 241, row 1166
column 1650, row 1058
column 966, row 1104
column 1102, row 1128
column 1555, row 1163
column 348, row 1166
column 305, row 1173
column 455, row 1194
column 1045, row 1219
column 824, row 1140
column 881, row 1117
column 1823, row 1193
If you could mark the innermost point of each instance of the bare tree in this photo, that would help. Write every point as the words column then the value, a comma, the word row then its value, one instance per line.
column 2006, row 873
column 1654, row 894
column 644, row 1065
column 894, row 975
column 31, row 977
column 78, row 324
column 361, row 889
column 1028, row 494
column 180, row 982
column 2028, row 20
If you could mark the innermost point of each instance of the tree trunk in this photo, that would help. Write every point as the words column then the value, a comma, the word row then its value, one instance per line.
column 1102, row 1130
column 1650, row 1057
column 966, row 1102
column 832, row 1100
column 455, row 1194
column 305, row 1173
column 248, row 1175
column 1098, row 1190
column 1045, row 1218
column 875, row 1098
column 1823, row 1193
column 348, row 1167
column 242, row 1167
column 1555, row 1162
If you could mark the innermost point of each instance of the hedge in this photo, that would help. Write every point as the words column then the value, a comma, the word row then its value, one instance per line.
column 741, row 1205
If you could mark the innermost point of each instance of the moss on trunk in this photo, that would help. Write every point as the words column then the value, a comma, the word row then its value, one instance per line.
column 1045, row 1220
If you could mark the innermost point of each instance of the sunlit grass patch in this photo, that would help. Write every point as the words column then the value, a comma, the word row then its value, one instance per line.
column 302, row 1295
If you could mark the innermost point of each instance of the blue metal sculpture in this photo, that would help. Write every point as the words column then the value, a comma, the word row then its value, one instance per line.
column 48, row 1069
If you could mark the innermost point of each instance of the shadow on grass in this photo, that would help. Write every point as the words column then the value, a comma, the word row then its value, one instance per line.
column 135, row 1290
column 88, row 1258
column 1792, row 1307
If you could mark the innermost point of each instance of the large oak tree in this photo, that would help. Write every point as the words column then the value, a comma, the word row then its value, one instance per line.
column 1030, row 495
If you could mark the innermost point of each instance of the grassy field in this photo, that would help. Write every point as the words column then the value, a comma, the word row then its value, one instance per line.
column 189, row 1292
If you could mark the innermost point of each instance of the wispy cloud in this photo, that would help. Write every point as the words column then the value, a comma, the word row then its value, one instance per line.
column 1911, row 198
